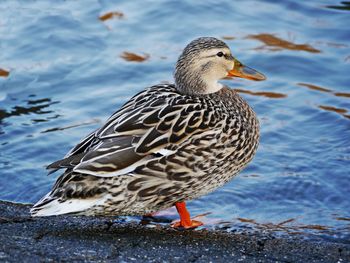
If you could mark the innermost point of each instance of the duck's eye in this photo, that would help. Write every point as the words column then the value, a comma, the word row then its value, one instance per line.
column 220, row 54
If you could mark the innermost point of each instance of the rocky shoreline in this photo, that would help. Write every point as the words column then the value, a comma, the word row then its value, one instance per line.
column 91, row 239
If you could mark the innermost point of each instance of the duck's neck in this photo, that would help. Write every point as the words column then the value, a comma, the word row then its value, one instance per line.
column 195, row 83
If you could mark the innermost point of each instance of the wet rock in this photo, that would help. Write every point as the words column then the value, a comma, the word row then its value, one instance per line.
column 87, row 239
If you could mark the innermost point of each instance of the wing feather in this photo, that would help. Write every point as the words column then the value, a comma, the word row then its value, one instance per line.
column 157, row 120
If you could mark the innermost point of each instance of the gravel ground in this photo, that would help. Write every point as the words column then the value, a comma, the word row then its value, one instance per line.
column 91, row 239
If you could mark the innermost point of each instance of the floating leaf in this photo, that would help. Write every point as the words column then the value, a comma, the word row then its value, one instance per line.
column 286, row 221
column 337, row 110
column 228, row 37
column 334, row 109
column 4, row 73
column 342, row 94
column 314, row 227
column 111, row 15
column 128, row 56
column 314, row 87
column 267, row 94
column 246, row 220
column 318, row 88
column 343, row 218
column 278, row 44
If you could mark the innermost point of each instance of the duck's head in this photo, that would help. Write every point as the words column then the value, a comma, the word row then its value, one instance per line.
column 204, row 62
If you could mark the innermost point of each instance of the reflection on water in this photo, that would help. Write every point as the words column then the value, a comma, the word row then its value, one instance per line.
column 344, row 5
column 335, row 45
column 298, row 181
column 129, row 56
column 72, row 126
column 283, row 225
column 274, row 43
column 47, row 118
column 33, row 107
column 4, row 73
column 290, row 226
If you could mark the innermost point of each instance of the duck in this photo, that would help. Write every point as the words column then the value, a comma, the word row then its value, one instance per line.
column 168, row 144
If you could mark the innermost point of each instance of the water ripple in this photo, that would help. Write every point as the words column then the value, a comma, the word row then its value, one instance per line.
column 66, row 67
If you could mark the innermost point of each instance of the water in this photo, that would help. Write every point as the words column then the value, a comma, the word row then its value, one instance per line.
column 68, row 73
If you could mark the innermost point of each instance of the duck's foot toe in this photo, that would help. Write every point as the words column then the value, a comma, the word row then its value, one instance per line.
column 186, row 225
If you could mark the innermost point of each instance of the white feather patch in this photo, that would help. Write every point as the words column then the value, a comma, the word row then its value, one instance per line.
column 69, row 206
column 165, row 152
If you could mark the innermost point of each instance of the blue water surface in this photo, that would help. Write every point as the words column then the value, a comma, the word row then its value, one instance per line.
column 68, row 73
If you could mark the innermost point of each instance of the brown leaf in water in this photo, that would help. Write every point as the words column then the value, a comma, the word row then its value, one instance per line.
column 246, row 220
column 128, row 56
column 278, row 43
column 318, row 88
column 201, row 215
column 314, row 87
column 111, row 15
column 342, row 218
column 4, row 73
column 228, row 37
column 342, row 94
column 314, row 227
column 286, row 221
column 267, row 94
column 333, row 109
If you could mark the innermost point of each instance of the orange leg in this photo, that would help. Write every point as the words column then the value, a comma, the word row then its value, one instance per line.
column 185, row 219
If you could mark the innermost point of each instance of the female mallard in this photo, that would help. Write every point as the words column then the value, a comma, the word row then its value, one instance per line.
column 166, row 145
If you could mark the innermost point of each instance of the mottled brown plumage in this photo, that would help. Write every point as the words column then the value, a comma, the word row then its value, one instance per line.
column 167, row 144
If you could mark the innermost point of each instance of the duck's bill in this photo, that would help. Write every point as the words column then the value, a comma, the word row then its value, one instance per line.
column 241, row 71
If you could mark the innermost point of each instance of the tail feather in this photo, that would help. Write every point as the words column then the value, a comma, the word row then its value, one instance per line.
column 72, row 193
column 49, row 206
